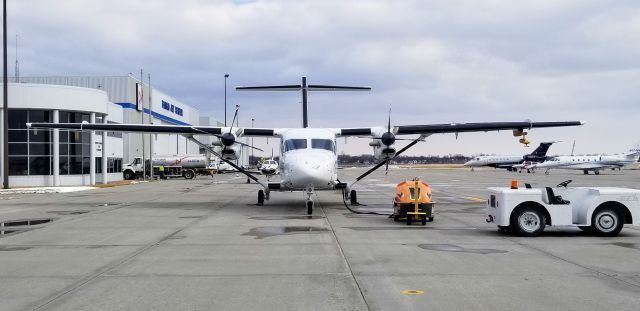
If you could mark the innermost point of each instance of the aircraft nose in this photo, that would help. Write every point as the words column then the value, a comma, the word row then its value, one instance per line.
column 311, row 172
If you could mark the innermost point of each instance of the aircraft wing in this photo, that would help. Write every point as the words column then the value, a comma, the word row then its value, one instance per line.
column 133, row 128
column 428, row 129
column 425, row 129
column 158, row 129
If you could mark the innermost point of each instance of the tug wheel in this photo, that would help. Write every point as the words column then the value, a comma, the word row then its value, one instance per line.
column 606, row 222
column 431, row 219
column 423, row 219
column 409, row 220
column 528, row 221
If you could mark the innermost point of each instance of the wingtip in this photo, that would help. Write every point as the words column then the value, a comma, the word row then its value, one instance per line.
column 29, row 124
column 582, row 122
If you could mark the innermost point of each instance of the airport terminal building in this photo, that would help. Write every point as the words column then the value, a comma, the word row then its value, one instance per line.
column 42, row 158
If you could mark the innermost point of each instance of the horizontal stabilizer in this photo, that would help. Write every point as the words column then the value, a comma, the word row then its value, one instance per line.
column 317, row 87
column 296, row 87
column 311, row 87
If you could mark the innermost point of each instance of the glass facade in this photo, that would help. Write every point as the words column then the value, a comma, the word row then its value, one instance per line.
column 31, row 150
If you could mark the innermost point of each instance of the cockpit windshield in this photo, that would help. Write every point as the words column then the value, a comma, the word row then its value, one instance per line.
column 293, row 144
column 326, row 144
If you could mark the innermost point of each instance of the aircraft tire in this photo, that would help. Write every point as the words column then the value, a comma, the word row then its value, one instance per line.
column 353, row 198
column 596, row 172
column 261, row 197
column 309, row 207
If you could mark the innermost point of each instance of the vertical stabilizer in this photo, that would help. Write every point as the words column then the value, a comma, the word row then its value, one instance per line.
column 540, row 153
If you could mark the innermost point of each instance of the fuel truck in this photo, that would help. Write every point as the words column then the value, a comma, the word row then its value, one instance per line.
column 187, row 166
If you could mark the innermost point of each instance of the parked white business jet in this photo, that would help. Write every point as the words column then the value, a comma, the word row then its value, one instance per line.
column 308, row 158
column 512, row 163
column 592, row 163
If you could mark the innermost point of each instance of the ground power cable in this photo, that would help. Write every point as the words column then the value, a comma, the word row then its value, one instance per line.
column 344, row 200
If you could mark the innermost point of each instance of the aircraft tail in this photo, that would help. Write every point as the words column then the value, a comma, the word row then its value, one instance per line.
column 634, row 152
column 540, row 152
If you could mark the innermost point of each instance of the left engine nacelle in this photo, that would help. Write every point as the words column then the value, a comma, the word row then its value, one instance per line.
column 383, row 144
column 228, row 147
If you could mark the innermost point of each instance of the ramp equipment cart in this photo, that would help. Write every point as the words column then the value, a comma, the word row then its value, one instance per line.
column 602, row 211
column 413, row 201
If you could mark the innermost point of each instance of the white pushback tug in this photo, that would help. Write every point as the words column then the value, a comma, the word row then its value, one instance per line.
column 602, row 211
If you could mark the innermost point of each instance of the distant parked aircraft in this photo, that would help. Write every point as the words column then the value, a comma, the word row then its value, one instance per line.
column 512, row 163
column 592, row 163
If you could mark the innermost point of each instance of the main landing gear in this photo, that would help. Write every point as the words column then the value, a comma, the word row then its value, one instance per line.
column 262, row 196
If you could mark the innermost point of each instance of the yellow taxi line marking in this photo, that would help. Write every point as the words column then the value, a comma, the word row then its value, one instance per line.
column 412, row 292
column 474, row 199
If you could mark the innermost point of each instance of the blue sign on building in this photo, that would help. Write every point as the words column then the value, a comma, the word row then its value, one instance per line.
column 170, row 107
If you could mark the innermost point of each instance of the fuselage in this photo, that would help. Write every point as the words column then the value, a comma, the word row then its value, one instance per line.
column 308, row 159
column 587, row 162
column 494, row 161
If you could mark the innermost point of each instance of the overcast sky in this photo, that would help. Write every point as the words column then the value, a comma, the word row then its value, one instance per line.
column 431, row 61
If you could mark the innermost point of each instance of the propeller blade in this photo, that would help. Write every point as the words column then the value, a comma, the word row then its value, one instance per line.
column 389, row 123
column 386, row 169
column 234, row 118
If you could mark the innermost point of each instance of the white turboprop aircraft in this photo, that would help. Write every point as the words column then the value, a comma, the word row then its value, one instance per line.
column 308, row 158
column 591, row 163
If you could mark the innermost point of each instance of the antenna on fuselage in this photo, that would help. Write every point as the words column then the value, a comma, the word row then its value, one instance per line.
column 304, row 88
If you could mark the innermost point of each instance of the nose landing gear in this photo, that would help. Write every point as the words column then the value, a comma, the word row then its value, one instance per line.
column 309, row 200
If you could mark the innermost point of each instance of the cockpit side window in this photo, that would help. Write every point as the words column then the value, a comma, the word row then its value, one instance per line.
column 293, row 144
column 326, row 144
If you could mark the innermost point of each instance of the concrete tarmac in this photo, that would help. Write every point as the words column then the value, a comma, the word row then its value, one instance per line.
column 204, row 245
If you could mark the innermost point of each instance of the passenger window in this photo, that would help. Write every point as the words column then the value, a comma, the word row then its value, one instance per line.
column 326, row 144
column 293, row 144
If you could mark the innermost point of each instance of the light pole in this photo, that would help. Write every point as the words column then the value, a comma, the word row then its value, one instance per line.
column 225, row 98
column 252, row 158
column 5, row 107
